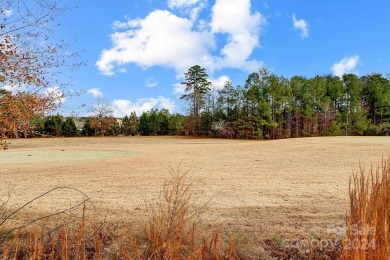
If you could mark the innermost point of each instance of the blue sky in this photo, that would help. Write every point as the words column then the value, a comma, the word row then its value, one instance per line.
column 137, row 51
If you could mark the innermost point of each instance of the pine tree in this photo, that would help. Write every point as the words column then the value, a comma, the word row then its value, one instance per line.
column 69, row 127
column 53, row 125
column 126, row 126
column 197, row 86
column 133, row 124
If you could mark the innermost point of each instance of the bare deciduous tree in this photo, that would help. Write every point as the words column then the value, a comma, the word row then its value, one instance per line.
column 31, row 59
column 102, row 119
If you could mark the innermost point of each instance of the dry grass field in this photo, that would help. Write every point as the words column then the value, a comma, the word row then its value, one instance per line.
column 289, row 187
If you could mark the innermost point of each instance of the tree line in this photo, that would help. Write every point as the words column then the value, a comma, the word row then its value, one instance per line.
column 267, row 106
column 153, row 122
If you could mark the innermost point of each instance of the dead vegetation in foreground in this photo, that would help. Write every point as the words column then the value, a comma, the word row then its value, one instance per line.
column 175, row 229
column 368, row 225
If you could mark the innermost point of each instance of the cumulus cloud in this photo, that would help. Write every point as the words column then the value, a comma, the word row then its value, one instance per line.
column 124, row 107
column 301, row 25
column 95, row 92
column 8, row 12
column 151, row 82
column 56, row 94
column 216, row 84
column 15, row 88
column 165, row 39
column 179, row 88
column 346, row 65
column 161, row 39
column 220, row 82
column 190, row 7
column 10, row 88
column 182, row 3
column 233, row 17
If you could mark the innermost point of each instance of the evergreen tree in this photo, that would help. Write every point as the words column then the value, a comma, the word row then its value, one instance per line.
column 176, row 124
column 356, row 122
column 69, row 127
column 87, row 128
column 126, row 127
column 196, row 89
column 377, row 98
column 53, row 125
column 144, row 126
column 164, row 122
column 133, row 124
column 37, row 124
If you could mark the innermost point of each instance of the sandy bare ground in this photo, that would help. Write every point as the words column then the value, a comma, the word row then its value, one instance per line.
column 290, row 187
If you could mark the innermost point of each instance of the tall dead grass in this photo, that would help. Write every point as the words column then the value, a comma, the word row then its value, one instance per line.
column 368, row 230
column 173, row 230
column 70, row 241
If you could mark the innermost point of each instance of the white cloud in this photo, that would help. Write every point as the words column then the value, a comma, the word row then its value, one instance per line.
column 56, row 94
column 158, row 40
column 234, row 18
column 190, row 7
column 15, row 88
column 8, row 12
column 124, row 107
column 179, row 89
column 182, row 3
column 95, row 92
column 302, row 25
column 117, row 25
column 10, row 88
column 165, row 39
column 151, row 82
column 346, row 65
column 216, row 84
column 220, row 82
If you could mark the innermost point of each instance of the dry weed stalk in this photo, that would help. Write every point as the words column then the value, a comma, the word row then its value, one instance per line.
column 4, row 144
column 368, row 226
column 66, row 242
column 174, row 229
column 172, row 223
column 35, row 240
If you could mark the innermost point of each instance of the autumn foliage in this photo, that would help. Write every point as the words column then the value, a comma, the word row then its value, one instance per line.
column 16, row 110
column 31, row 59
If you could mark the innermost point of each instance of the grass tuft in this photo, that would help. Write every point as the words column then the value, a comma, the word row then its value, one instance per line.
column 4, row 144
column 368, row 225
